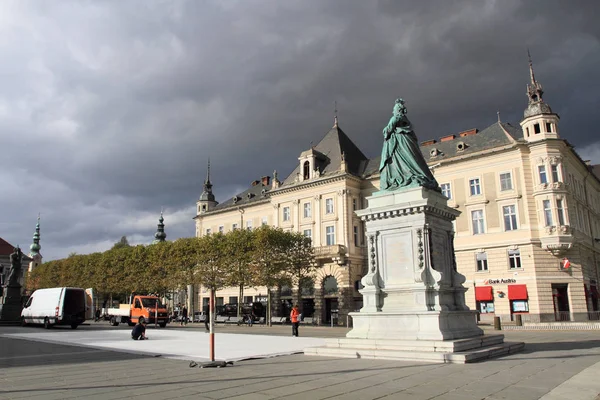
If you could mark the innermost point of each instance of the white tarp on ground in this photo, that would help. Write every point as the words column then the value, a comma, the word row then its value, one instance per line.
column 180, row 344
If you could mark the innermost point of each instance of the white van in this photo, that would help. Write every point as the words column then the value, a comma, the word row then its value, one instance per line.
column 58, row 306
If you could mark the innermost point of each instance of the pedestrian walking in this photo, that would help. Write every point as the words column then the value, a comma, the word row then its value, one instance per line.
column 206, row 321
column 251, row 318
column 294, row 317
column 184, row 314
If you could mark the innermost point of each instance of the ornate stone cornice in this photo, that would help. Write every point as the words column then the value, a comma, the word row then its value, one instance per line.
column 445, row 213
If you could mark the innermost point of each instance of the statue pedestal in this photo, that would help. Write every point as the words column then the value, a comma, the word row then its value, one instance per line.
column 413, row 296
column 10, row 311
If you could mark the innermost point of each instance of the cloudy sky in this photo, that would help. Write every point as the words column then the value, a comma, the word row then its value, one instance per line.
column 109, row 110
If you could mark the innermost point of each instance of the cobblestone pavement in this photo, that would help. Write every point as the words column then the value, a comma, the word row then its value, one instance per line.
column 555, row 365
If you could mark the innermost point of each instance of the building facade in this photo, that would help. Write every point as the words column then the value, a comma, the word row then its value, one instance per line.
column 527, row 239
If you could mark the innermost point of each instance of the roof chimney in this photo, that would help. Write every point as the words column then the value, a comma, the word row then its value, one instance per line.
column 428, row 142
column 468, row 133
column 265, row 180
column 254, row 183
column 447, row 138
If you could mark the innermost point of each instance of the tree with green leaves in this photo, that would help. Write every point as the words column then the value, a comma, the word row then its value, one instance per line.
column 239, row 246
column 121, row 243
column 269, row 260
column 300, row 262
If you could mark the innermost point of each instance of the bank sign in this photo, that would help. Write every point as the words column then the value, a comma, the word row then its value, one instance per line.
column 499, row 281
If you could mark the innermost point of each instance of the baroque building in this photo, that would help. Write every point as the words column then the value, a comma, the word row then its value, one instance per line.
column 527, row 238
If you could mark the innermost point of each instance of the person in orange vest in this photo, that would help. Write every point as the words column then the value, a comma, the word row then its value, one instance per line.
column 294, row 317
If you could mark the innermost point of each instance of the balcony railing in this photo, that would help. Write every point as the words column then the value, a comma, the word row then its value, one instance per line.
column 336, row 252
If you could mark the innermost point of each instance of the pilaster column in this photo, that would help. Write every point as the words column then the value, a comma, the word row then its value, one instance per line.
column 317, row 222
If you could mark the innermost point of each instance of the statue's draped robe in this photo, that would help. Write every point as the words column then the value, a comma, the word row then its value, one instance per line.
column 402, row 163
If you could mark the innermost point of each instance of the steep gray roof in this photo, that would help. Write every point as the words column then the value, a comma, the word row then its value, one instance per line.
column 491, row 137
column 251, row 195
column 596, row 170
column 334, row 143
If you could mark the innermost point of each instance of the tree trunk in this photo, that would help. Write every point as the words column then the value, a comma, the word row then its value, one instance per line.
column 269, row 307
column 239, row 304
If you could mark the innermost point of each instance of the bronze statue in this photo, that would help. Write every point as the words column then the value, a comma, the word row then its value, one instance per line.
column 15, row 268
column 402, row 163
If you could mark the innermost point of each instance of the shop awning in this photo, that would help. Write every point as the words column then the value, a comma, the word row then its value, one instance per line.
column 517, row 292
column 484, row 293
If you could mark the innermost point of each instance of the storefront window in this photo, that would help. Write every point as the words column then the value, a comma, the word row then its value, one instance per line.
column 519, row 306
column 485, row 307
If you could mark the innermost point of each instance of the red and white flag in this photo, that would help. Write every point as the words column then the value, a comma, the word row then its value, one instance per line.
column 566, row 264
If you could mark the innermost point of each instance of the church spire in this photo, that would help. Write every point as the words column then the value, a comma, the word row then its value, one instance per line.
column 35, row 246
column 160, row 235
column 207, row 194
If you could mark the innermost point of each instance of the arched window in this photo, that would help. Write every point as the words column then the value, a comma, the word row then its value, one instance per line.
column 330, row 285
column 307, row 286
column 306, row 170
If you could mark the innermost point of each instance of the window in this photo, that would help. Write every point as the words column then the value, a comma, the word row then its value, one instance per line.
column 249, row 225
column 328, row 206
column 286, row 213
column 514, row 259
column 542, row 173
column 560, row 210
column 510, row 218
column 247, row 299
column 354, row 204
column 221, row 229
column 555, row 174
column 548, row 127
column 506, row 181
column 475, row 187
column 330, row 235
column 306, row 170
column 536, row 128
column 477, row 218
column 547, row 212
column 264, row 221
column 527, row 131
column 219, row 301
column 234, row 227
column 446, row 191
column 232, row 299
column 208, row 231
column 355, row 230
column 519, row 306
column 307, row 233
column 485, row 307
column 307, row 210
column 482, row 262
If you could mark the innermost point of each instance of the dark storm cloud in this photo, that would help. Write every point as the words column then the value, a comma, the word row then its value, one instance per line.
column 110, row 110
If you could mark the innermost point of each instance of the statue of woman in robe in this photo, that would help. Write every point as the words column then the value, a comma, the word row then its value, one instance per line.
column 402, row 163
column 15, row 268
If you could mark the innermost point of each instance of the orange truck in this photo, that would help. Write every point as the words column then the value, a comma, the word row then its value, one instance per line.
column 140, row 308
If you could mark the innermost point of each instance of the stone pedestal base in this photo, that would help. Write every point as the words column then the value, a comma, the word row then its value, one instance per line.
column 10, row 311
column 425, row 325
column 459, row 351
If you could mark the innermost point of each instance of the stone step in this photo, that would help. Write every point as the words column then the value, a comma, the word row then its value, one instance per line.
column 452, row 346
column 422, row 356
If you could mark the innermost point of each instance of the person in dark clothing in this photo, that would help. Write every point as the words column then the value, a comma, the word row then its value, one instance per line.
column 139, row 331
column 184, row 313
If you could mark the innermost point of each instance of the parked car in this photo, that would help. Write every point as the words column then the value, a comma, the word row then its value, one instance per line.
column 57, row 306
column 199, row 316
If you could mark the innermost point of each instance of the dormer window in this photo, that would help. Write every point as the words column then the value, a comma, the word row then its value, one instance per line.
column 306, row 170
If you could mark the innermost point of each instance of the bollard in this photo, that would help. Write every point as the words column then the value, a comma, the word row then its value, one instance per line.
column 518, row 319
column 497, row 324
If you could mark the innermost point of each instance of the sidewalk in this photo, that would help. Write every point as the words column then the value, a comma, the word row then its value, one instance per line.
column 553, row 364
